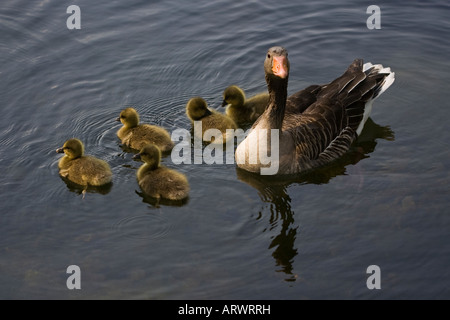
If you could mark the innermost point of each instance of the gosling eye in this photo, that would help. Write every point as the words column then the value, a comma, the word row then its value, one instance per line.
column 268, row 55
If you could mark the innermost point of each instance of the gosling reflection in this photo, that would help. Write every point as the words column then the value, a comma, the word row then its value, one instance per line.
column 273, row 190
column 82, row 190
column 157, row 203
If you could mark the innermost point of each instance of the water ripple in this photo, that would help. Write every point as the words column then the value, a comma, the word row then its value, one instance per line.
column 143, row 227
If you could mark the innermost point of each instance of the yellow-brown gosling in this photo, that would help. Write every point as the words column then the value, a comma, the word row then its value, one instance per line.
column 136, row 136
column 81, row 169
column 197, row 110
column 243, row 110
column 158, row 181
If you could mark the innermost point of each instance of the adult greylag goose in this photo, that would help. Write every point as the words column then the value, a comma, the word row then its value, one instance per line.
column 314, row 126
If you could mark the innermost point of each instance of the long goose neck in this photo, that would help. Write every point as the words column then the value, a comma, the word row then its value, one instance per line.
column 277, row 101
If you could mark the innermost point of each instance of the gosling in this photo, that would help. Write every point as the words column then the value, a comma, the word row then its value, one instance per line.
column 243, row 111
column 158, row 181
column 197, row 110
column 136, row 136
column 80, row 169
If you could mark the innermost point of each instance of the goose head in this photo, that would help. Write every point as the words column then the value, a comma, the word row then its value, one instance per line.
column 72, row 148
column 129, row 117
column 150, row 154
column 233, row 95
column 197, row 108
column 276, row 65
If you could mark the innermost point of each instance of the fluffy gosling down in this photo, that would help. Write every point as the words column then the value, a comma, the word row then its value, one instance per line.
column 197, row 110
column 136, row 136
column 80, row 169
column 243, row 110
column 158, row 181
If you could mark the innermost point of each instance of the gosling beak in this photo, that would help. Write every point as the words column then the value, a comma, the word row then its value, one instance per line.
column 224, row 104
column 279, row 66
column 137, row 156
column 118, row 119
column 60, row 150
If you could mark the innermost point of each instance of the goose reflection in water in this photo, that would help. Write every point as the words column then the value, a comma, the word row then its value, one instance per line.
column 273, row 190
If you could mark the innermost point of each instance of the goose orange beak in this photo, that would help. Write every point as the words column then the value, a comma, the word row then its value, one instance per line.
column 279, row 67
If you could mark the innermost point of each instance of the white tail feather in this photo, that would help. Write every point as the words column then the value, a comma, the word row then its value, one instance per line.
column 388, row 81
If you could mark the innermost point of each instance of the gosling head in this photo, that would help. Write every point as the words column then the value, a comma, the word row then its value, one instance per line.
column 150, row 154
column 197, row 108
column 276, row 65
column 233, row 95
column 72, row 148
column 129, row 118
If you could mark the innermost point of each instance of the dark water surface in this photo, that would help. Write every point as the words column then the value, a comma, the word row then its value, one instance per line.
column 238, row 237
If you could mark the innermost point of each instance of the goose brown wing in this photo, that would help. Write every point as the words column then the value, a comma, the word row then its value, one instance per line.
column 301, row 100
column 317, row 131
column 325, row 130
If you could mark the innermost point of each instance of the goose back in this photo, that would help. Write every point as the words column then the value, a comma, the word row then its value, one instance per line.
column 325, row 130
